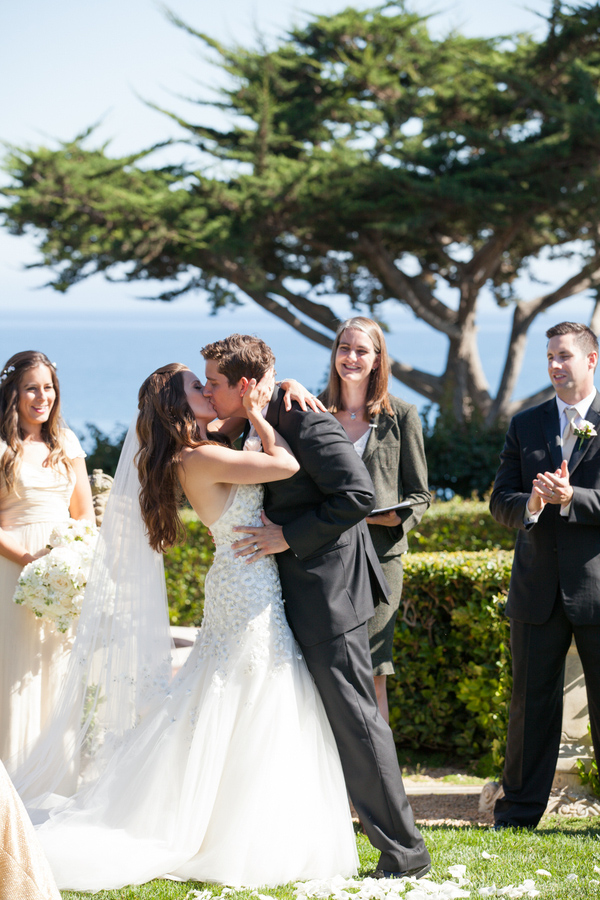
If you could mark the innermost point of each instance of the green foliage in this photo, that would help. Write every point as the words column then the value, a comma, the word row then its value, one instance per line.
column 186, row 566
column 462, row 457
column 589, row 776
column 105, row 449
column 363, row 158
column 451, row 650
column 457, row 525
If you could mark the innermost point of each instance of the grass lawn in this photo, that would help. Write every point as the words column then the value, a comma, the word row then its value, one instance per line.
column 563, row 847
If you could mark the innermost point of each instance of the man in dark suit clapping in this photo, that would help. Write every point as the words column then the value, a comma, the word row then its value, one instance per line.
column 548, row 487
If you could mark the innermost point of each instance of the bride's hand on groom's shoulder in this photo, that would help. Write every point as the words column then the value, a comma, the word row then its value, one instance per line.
column 303, row 397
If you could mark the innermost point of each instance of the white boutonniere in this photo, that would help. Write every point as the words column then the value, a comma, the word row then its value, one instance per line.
column 584, row 432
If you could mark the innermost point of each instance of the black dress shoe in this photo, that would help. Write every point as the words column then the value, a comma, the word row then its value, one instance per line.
column 419, row 872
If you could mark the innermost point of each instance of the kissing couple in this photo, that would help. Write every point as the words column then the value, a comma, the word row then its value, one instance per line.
column 239, row 770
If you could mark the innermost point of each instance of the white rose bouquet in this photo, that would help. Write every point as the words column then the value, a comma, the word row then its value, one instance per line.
column 52, row 586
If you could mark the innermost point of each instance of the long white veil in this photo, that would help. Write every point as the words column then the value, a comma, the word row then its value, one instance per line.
column 120, row 662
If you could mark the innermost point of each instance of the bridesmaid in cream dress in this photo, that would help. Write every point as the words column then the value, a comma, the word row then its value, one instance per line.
column 43, row 481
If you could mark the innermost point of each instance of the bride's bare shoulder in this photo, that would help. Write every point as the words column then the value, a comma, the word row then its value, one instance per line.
column 204, row 454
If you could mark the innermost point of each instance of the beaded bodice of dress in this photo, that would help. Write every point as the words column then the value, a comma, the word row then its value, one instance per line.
column 243, row 617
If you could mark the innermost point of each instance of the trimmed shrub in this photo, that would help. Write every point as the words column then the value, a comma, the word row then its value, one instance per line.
column 452, row 655
column 458, row 525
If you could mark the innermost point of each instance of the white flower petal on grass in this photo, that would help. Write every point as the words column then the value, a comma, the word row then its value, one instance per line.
column 543, row 872
column 486, row 855
column 198, row 895
column 593, row 881
column 457, row 871
column 572, row 877
column 514, row 891
column 597, row 869
column 490, row 891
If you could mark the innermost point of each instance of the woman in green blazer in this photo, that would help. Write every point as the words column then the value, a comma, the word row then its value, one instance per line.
column 387, row 433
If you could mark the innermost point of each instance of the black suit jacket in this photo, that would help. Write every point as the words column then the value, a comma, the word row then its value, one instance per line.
column 330, row 576
column 557, row 552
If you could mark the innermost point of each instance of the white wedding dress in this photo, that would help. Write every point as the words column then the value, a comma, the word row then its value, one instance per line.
column 234, row 777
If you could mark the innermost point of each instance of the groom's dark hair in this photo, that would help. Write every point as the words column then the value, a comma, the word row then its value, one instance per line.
column 240, row 356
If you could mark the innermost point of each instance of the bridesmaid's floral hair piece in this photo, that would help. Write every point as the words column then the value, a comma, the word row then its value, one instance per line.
column 6, row 372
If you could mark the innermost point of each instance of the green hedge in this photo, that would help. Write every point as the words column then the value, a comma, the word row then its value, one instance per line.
column 451, row 649
column 459, row 525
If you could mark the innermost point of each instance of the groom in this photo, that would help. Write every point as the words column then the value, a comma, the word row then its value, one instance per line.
column 329, row 574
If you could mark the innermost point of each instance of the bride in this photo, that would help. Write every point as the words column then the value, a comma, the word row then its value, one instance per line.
column 231, row 773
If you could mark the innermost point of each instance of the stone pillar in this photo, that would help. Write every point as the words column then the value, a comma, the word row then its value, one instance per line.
column 576, row 742
column 100, row 484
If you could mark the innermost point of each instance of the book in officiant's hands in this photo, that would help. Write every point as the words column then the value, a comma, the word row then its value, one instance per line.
column 404, row 504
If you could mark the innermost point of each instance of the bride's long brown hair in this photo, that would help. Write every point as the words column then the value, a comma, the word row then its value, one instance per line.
column 165, row 425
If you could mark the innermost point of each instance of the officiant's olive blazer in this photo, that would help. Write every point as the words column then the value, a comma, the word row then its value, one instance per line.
column 395, row 460
column 330, row 576
column 556, row 551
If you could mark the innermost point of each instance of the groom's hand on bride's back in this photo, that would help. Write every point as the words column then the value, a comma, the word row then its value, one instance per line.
column 262, row 541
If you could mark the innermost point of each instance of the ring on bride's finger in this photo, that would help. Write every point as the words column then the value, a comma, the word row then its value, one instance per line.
column 255, row 548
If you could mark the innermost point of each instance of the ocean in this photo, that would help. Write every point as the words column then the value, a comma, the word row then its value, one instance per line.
column 104, row 354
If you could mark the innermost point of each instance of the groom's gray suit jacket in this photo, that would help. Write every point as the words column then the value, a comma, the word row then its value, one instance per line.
column 330, row 576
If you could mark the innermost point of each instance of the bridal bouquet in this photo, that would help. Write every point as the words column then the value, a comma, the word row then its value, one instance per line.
column 52, row 587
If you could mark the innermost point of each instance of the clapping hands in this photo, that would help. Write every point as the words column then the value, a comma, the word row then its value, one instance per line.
column 551, row 487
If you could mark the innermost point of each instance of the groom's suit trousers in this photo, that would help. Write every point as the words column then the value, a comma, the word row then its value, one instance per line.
column 342, row 670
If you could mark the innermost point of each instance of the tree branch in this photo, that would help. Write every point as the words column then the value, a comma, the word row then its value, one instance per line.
column 533, row 400
column 524, row 315
column 409, row 290
column 430, row 386
column 317, row 311
column 587, row 278
column 486, row 260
